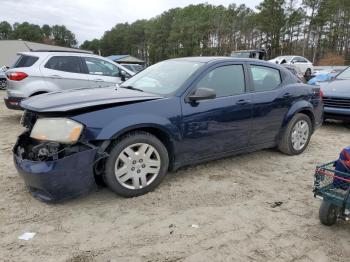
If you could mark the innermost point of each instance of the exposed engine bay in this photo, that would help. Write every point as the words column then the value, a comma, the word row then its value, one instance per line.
column 30, row 149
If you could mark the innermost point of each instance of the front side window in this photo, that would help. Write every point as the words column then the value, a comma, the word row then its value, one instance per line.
column 100, row 67
column 163, row 78
column 265, row 78
column 71, row 64
column 225, row 80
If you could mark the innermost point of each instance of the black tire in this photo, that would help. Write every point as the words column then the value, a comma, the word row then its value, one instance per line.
column 328, row 213
column 3, row 84
column 118, row 146
column 285, row 144
column 307, row 74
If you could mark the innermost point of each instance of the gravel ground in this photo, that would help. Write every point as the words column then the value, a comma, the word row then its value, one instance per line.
column 231, row 201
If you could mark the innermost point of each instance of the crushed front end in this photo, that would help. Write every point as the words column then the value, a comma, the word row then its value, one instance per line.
column 54, row 171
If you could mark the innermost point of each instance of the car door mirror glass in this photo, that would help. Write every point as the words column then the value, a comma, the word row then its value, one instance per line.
column 122, row 75
column 202, row 94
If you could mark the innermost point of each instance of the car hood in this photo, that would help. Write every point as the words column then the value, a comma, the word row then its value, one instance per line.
column 77, row 99
column 336, row 88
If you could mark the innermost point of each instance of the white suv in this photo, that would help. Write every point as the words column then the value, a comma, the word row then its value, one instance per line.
column 39, row 72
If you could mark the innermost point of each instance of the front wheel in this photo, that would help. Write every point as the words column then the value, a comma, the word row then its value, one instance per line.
column 328, row 213
column 297, row 135
column 136, row 165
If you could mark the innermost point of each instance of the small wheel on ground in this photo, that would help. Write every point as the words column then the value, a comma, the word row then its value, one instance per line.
column 307, row 74
column 296, row 136
column 328, row 213
column 136, row 165
column 3, row 84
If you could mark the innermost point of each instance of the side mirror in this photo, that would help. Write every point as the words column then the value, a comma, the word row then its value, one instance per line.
column 122, row 75
column 202, row 94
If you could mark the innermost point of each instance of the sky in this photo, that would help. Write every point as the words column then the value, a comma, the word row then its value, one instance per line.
column 89, row 19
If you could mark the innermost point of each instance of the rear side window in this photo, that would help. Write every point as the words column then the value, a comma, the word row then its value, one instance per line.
column 25, row 61
column 265, row 78
column 71, row 64
column 224, row 80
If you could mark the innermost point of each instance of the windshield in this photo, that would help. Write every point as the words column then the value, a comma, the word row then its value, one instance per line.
column 287, row 58
column 345, row 74
column 163, row 78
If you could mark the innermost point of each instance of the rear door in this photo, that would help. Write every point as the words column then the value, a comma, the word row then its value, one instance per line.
column 101, row 73
column 64, row 72
column 271, row 99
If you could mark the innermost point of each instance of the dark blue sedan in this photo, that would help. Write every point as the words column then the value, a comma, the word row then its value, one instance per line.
column 174, row 113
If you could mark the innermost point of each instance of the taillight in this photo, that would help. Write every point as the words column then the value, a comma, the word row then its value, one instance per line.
column 16, row 76
column 321, row 94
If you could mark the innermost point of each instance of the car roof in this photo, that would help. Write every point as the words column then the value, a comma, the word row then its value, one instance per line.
column 213, row 59
column 208, row 59
column 59, row 53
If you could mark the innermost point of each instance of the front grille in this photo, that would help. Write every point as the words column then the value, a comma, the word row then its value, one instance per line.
column 336, row 102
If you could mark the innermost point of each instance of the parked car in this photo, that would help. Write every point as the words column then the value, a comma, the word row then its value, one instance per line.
column 304, row 66
column 254, row 54
column 337, row 96
column 174, row 113
column 324, row 73
column 36, row 73
column 3, row 81
column 295, row 72
column 133, row 67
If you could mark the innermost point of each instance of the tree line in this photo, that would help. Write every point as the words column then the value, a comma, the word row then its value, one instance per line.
column 55, row 35
column 311, row 28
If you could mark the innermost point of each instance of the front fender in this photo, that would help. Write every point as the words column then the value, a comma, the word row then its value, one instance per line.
column 131, row 122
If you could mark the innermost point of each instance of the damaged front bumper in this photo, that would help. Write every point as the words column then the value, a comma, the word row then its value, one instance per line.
column 60, row 177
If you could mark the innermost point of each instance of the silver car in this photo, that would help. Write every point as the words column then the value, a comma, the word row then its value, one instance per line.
column 3, row 81
column 38, row 72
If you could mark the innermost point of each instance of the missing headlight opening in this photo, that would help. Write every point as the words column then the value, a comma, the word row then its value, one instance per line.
column 34, row 150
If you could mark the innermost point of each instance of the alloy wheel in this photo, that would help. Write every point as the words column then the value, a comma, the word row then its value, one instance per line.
column 300, row 135
column 137, row 166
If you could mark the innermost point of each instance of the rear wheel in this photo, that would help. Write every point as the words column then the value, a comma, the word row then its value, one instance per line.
column 297, row 135
column 328, row 213
column 137, row 164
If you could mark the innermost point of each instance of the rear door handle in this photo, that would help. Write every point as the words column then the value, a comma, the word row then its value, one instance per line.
column 98, row 80
column 243, row 102
column 287, row 95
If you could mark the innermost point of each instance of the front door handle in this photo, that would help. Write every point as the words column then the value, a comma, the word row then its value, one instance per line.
column 98, row 80
column 243, row 102
column 287, row 95
column 55, row 76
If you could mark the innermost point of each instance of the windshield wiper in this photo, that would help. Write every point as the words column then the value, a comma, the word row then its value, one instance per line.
column 132, row 88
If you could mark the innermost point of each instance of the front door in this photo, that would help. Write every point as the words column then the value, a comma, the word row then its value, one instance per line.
column 214, row 126
column 101, row 72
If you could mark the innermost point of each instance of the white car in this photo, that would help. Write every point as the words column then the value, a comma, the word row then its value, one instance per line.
column 40, row 72
column 301, row 64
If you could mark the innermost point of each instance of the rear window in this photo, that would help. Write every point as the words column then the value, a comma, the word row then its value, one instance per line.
column 25, row 61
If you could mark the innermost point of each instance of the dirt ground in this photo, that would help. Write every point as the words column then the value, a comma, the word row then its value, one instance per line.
column 231, row 201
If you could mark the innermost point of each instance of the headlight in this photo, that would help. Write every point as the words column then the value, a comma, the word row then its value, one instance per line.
column 62, row 130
